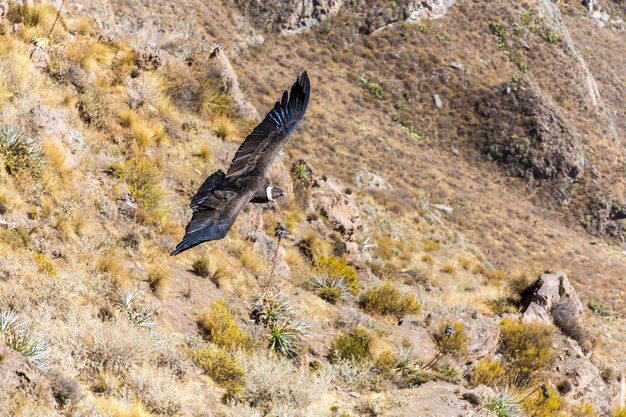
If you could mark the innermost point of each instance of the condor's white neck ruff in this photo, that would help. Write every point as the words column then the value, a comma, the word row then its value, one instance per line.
column 268, row 192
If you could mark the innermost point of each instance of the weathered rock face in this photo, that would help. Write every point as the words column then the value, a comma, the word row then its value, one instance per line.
column 55, row 124
column 291, row 15
column 553, row 299
column 330, row 199
column 527, row 134
column 581, row 379
column 295, row 15
column 604, row 216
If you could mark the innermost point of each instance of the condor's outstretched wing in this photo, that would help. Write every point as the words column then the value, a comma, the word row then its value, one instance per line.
column 258, row 151
column 214, row 213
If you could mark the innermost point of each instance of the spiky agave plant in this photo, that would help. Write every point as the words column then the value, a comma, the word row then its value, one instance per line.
column 129, row 303
column 405, row 363
column 20, row 153
column 503, row 404
column 270, row 308
column 20, row 339
column 332, row 290
column 286, row 337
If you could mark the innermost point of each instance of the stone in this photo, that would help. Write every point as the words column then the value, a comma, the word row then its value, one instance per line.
column 230, row 83
column 39, row 56
column 457, row 65
column 126, row 204
column 266, row 247
column 437, row 399
column 545, row 294
column 444, row 208
column 438, row 102
column 370, row 180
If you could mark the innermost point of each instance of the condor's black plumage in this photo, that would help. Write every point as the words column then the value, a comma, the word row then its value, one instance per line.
column 221, row 197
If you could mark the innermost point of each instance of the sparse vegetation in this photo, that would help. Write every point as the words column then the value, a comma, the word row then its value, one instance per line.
column 499, row 31
column 332, row 290
column 142, row 177
column 526, row 347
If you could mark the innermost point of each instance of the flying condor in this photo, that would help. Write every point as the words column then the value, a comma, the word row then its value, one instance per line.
column 221, row 197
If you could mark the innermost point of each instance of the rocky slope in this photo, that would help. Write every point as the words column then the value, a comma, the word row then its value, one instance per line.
column 453, row 151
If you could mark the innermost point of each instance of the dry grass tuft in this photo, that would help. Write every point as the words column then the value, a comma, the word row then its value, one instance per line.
column 144, row 132
column 91, row 54
column 159, row 277
column 224, row 127
column 220, row 365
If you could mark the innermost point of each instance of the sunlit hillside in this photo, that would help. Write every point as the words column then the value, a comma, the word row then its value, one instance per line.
column 455, row 210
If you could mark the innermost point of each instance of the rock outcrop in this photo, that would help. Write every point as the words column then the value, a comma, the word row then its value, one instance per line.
column 527, row 134
column 552, row 299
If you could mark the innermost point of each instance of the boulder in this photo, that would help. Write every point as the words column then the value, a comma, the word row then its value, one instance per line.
column 548, row 292
column 552, row 299
column 266, row 247
column 580, row 379
column 370, row 180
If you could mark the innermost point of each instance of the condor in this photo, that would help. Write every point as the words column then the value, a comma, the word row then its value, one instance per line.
column 221, row 197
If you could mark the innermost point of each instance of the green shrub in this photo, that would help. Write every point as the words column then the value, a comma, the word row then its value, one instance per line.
column 387, row 300
column 500, row 33
column 219, row 364
column 599, row 309
column 285, row 337
column 373, row 88
column 502, row 404
column 537, row 405
column 353, row 347
column 335, row 267
column 526, row 347
column 220, row 328
column 45, row 264
column 202, row 267
column 552, row 37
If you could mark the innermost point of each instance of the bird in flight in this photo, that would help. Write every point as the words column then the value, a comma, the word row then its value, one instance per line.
column 221, row 197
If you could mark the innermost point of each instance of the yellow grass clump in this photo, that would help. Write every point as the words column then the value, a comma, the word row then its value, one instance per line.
column 220, row 328
column 388, row 300
column 220, row 365
column 144, row 132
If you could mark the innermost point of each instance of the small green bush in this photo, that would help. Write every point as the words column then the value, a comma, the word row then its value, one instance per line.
column 219, row 364
column 373, row 88
column 526, row 347
column 353, row 347
column 599, row 309
column 502, row 404
column 202, row 267
column 220, row 328
column 387, row 300
column 500, row 32
column 552, row 37
column 335, row 267
column 332, row 290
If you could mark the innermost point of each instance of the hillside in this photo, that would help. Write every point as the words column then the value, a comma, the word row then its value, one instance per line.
column 454, row 155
